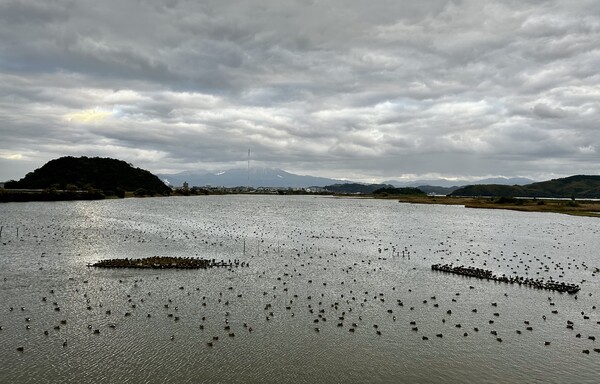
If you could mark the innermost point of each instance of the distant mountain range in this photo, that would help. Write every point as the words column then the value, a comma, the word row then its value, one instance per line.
column 274, row 177
column 107, row 174
column 377, row 189
column 257, row 177
column 458, row 183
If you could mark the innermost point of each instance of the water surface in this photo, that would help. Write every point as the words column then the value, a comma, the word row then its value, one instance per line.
column 325, row 276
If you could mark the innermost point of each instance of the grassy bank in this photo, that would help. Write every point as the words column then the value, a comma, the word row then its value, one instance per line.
column 569, row 207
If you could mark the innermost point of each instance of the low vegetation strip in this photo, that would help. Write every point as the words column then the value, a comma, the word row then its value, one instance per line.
column 167, row 262
column 9, row 196
column 569, row 207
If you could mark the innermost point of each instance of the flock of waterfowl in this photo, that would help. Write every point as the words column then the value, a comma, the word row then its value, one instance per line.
column 168, row 262
column 485, row 274
column 354, row 282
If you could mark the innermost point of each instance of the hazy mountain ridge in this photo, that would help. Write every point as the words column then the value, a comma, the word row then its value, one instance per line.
column 256, row 177
column 112, row 174
column 458, row 183
column 356, row 188
column 275, row 177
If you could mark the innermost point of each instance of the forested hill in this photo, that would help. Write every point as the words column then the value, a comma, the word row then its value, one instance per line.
column 377, row 189
column 105, row 174
column 580, row 186
column 355, row 188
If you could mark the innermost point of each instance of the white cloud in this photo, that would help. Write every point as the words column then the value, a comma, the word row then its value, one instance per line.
column 336, row 88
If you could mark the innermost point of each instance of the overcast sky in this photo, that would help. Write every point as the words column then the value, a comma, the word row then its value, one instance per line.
column 363, row 90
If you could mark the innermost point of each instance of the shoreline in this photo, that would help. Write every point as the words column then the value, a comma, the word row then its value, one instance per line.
column 568, row 207
column 587, row 208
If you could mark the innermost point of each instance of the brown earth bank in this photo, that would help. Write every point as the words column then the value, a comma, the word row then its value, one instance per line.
column 569, row 207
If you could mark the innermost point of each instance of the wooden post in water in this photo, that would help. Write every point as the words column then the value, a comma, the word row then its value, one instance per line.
column 17, row 232
column 244, row 246
column 1, row 228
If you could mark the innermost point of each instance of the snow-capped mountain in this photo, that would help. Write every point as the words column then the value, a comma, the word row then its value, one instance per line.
column 274, row 177
column 256, row 177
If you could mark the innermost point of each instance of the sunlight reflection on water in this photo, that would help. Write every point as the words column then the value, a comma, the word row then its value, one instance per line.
column 314, row 263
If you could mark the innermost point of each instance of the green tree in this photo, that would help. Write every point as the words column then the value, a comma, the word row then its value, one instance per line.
column 120, row 192
column 140, row 192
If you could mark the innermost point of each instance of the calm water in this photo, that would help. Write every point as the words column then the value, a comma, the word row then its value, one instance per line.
column 315, row 263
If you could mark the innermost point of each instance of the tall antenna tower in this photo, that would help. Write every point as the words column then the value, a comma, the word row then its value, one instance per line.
column 248, row 167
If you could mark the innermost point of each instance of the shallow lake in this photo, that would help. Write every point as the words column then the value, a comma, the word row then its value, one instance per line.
column 336, row 291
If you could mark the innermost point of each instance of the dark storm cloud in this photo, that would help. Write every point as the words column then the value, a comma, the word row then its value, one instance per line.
column 363, row 90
